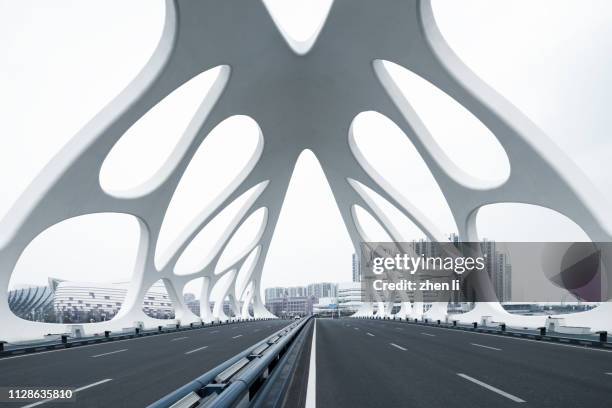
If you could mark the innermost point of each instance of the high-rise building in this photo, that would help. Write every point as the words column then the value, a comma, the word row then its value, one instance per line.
column 281, row 292
column 503, row 278
column 323, row 289
column 275, row 293
column 499, row 269
column 454, row 238
column 291, row 306
column 356, row 269
column 296, row 291
column 426, row 248
column 508, row 282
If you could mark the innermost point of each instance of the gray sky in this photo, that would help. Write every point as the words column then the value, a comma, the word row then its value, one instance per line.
column 62, row 61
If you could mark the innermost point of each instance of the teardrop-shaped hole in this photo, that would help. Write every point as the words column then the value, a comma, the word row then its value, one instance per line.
column 389, row 157
column 140, row 154
column 244, row 240
column 467, row 146
column 209, row 179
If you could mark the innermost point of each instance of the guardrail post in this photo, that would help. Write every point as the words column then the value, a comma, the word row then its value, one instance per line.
column 178, row 326
column 137, row 330
column 503, row 327
column 2, row 346
column 107, row 333
column 159, row 329
column 454, row 323
column 439, row 322
column 416, row 320
column 542, row 331
column 64, row 339
column 475, row 324
column 603, row 336
column 191, row 325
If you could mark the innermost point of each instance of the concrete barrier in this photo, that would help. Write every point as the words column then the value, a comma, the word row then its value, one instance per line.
column 75, row 330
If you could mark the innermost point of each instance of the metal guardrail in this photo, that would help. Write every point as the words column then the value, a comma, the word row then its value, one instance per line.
column 107, row 337
column 502, row 330
column 236, row 379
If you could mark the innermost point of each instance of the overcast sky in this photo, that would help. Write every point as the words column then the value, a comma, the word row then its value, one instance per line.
column 62, row 61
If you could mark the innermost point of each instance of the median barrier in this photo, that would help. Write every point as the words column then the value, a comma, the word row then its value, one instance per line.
column 236, row 381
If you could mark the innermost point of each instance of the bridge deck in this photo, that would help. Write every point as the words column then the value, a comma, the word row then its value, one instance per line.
column 373, row 363
column 141, row 370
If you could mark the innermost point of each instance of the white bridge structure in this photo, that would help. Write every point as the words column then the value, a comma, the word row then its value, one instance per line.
column 303, row 95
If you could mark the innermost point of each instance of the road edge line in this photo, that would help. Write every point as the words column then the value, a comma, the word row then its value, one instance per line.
column 311, row 389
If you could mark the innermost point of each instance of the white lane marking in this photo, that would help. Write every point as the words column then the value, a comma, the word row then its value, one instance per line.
column 608, row 373
column 74, row 391
column 399, row 347
column 370, row 334
column 235, row 337
column 110, row 352
column 356, row 328
column 491, row 388
column 198, row 349
column 549, row 343
column 487, row 347
column 311, row 388
column 428, row 334
column 214, row 331
column 179, row 338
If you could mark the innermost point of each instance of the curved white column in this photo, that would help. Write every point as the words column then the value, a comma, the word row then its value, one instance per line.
column 297, row 107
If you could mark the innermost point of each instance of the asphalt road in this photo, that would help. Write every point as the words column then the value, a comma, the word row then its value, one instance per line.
column 370, row 363
column 139, row 371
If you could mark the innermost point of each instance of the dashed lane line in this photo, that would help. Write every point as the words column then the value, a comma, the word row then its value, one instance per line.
column 399, row 347
column 491, row 388
column 179, row 338
column 194, row 350
column 487, row 347
column 109, row 353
